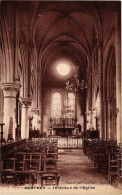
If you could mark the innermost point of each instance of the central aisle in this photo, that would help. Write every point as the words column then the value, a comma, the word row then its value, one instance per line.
column 76, row 169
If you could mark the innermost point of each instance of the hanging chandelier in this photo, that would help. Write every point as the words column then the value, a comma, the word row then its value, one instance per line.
column 74, row 83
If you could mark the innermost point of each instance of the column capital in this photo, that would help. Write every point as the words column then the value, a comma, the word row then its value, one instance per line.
column 10, row 89
column 25, row 101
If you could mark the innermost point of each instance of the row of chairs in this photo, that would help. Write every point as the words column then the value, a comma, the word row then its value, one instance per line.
column 106, row 156
column 10, row 146
column 35, row 163
column 45, row 144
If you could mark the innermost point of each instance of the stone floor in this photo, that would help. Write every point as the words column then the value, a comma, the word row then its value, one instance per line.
column 78, row 171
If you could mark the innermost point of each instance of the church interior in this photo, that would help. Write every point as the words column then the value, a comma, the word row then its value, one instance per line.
column 60, row 95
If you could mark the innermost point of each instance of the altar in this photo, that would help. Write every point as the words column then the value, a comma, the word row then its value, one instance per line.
column 63, row 127
column 63, row 131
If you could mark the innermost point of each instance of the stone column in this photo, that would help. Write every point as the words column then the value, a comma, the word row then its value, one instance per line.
column 110, row 133
column 117, row 12
column 115, row 134
column 88, row 120
column 100, row 63
column 26, row 103
column 94, row 118
column 109, row 122
column 113, row 122
column 10, row 90
column 105, row 120
column 91, row 113
column 1, row 106
column 39, row 121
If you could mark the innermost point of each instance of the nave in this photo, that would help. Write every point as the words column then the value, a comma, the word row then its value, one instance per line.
column 60, row 90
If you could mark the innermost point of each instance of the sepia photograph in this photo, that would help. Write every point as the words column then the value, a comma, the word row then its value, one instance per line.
column 60, row 97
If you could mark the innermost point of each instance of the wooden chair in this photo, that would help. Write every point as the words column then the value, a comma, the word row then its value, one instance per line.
column 8, row 177
column 119, row 168
column 50, row 164
column 9, row 164
column 25, row 177
column 52, row 149
column 112, row 167
column 33, row 165
column 7, row 168
column 51, row 156
column 36, row 156
column 49, row 179
column 21, row 166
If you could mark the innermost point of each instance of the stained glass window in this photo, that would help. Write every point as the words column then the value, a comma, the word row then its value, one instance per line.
column 64, row 109
column 56, row 105
column 70, row 105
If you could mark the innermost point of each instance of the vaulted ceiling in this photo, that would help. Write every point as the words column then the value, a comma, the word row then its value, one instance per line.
column 64, row 30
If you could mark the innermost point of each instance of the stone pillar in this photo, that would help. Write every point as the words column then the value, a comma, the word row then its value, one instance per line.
column 113, row 121
column 100, row 63
column 109, row 122
column 26, row 103
column 1, row 106
column 94, row 118
column 110, row 133
column 39, row 121
column 115, row 134
column 105, row 120
column 117, row 12
column 88, row 120
column 10, row 90
column 91, row 113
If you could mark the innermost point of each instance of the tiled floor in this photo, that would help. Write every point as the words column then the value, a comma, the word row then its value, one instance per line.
column 76, row 169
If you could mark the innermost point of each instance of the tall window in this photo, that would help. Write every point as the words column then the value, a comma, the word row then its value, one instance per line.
column 63, row 110
column 70, row 105
column 56, row 105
